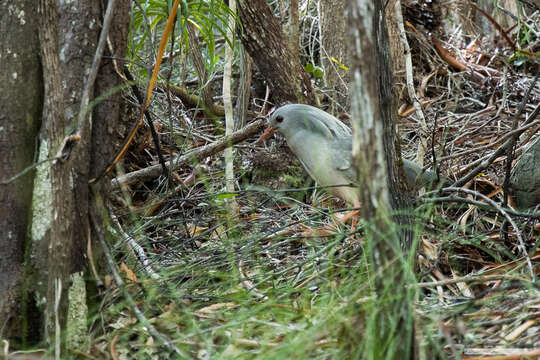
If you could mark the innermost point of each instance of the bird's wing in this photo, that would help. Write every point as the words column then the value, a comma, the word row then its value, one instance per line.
column 333, row 127
column 341, row 157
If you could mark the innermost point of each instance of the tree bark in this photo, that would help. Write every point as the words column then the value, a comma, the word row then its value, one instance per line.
column 396, row 47
column 294, row 28
column 59, row 197
column 333, row 45
column 264, row 39
column 59, row 248
column 21, row 91
column 376, row 155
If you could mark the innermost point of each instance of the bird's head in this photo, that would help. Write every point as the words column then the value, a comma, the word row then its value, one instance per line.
column 294, row 118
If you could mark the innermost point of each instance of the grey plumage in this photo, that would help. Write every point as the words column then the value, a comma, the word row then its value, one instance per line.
column 323, row 145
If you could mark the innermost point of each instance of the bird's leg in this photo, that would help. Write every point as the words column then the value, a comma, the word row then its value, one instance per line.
column 351, row 215
column 317, row 232
column 329, row 229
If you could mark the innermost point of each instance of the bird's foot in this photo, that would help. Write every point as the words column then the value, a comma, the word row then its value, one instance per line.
column 351, row 215
column 318, row 232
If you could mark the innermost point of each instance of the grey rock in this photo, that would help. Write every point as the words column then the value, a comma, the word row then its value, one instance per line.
column 525, row 177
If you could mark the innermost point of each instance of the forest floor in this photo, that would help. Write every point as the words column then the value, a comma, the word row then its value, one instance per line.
column 256, row 286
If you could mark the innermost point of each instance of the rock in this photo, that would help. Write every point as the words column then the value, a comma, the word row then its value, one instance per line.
column 525, row 178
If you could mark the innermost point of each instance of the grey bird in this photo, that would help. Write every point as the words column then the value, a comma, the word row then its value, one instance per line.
column 323, row 145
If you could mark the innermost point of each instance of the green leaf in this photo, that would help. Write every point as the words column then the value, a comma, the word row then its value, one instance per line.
column 318, row 72
column 309, row 67
column 226, row 196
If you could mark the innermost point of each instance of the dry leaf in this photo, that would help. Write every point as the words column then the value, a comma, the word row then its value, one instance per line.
column 130, row 275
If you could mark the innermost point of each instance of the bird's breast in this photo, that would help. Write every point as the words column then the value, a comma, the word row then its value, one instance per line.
column 324, row 163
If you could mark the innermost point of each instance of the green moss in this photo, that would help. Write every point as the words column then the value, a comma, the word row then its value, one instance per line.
column 77, row 333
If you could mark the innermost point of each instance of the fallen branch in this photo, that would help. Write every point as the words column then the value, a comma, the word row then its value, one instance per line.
column 191, row 99
column 195, row 155
column 478, row 72
column 501, row 354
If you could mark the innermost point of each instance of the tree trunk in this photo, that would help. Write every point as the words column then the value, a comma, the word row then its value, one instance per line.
column 60, row 243
column 21, row 92
column 294, row 28
column 504, row 19
column 382, row 182
column 264, row 39
column 333, row 45
column 59, row 198
column 396, row 47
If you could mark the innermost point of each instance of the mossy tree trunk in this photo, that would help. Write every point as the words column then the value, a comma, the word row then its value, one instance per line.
column 51, row 221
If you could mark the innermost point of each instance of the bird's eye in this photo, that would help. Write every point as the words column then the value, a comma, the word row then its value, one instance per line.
column 279, row 119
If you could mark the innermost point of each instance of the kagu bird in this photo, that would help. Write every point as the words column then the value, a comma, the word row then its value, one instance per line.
column 323, row 145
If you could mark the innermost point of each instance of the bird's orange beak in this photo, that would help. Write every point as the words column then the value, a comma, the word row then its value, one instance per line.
column 266, row 134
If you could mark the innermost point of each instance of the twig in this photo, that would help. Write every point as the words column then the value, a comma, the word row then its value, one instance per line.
column 480, row 204
column 508, row 135
column 410, row 83
column 503, row 212
column 169, row 101
column 149, row 121
column 84, row 129
column 512, row 144
column 497, row 26
column 506, row 320
column 485, row 163
column 25, row 171
column 249, row 284
column 509, row 158
column 120, row 283
column 464, row 279
column 265, row 101
column 148, row 30
column 517, row 354
column 190, row 99
column 197, row 154
column 141, row 256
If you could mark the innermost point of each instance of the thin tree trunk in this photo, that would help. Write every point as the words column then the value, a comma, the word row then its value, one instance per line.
column 382, row 182
column 294, row 29
column 59, row 249
column 333, row 46
column 229, row 116
column 396, row 46
column 244, row 88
